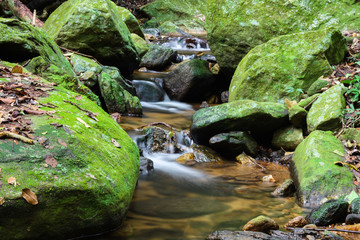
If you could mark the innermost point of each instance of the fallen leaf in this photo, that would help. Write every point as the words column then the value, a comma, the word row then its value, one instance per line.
column 2, row 200
column 62, row 143
column 116, row 144
column 51, row 161
column 268, row 178
column 78, row 97
column 7, row 100
column 17, row 69
column 338, row 153
column 83, row 122
column 91, row 176
column 30, row 196
column 12, row 181
column 289, row 103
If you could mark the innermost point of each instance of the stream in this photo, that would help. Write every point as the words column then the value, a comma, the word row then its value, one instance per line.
column 175, row 201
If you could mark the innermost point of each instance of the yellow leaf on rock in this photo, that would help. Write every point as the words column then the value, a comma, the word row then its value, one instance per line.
column 83, row 122
column 12, row 181
column 289, row 103
column 30, row 196
column 2, row 200
column 116, row 144
column 17, row 69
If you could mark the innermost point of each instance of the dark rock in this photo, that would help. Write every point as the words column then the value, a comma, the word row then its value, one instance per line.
column 261, row 224
column 148, row 91
column 205, row 154
column 331, row 236
column 190, row 81
column 317, row 86
column 297, row 116
column 331, row 212
column 225, row 96
column 204, row 104
column 239, row 235
column 158, row 57
column 355, row 206
column 286, row 189
column 352, row 218
column 234, row 143
column 146, row 166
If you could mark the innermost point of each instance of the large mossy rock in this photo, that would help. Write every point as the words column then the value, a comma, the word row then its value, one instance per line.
column 188, row 14
column 242, row 115
column 94, row 28
column 235, row 27
column 130, row 20
column 328, row 213
column 326, row 112
column 315, row 174
column 286, row 66
column 190, row 81
column 87, row 69
column 90, row 184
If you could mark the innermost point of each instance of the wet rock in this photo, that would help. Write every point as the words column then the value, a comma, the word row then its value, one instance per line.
column 233, row 143
column 307, row 102
column 352, row 218
column 190, row 81
column 246, row 160
column 238, row 235
column 314, row 172
column 297, row 116
column 317, row 86
column 261, row 224
column 117, row 93
column 187, row 159
column 158, row 57
column 331, row 236
column 355, row 206
column 87, row 69
column 243, row 115
column 286, row 66
column 331, row 212
column 94, row 28
column 296, row 222
column 288, row 138
column 205, row 154
column 146, row 166
column 286, row 189
column 142, row 47
column 225, row 96
column 148, row 91
column 204, row 104
column 326, row 112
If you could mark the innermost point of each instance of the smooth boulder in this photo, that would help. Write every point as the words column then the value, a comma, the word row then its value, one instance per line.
column 314, row 172
column 287, row 138
column 286, row 66
column 243, row 115
column 94, row 27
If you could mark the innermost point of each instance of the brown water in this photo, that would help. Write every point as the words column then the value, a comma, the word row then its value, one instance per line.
column 181, row 202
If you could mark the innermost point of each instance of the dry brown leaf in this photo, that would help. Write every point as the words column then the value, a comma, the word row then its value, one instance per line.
column 62, row 143
column 30, row 196
column 12, row 181
column 289, row 103
column 7, row 100
column 78, row 97
column 83, row 122
column 2, row 200
column 51, row 161
column 116, row 144
column 268, row 178
column 17, row 69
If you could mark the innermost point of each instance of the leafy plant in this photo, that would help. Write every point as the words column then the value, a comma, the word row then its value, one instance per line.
column 354, row 89
column 289, row 89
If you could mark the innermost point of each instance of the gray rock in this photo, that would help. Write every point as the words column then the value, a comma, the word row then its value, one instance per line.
column 286, row 189
column 158, row 57
column 239, row 235
column 146, row 166
column 352, row 218
column 148, row 91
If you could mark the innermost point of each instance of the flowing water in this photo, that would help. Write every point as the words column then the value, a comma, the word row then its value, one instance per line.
column 182, row 202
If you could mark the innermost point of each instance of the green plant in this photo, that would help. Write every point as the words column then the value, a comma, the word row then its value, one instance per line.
column 353, row 91
column 351, row 116
column 289, row 89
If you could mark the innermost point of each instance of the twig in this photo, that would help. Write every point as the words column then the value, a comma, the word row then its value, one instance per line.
column 312, row 101
column 329, row 229
column 49, row 105
column 88, row 113
column 7, row 134
column 81, row 54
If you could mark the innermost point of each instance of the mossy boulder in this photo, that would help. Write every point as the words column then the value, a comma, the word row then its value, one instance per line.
column 288, row 138
column 351, row 134
column 326, row 112
column 190, row 81
column 261, row 224
column 187, row 14
column 141, row 45
column 297, row 116
column 118, row 94
column 87, row 191
column 130, row 20
column 234, row 143
column 317, row 86
column 158, row 57
column 329, row 213
column 286, row 66
column 242, row 115
column 94, row 28
column 87, row 69
column 314, row 172
column 235, row 27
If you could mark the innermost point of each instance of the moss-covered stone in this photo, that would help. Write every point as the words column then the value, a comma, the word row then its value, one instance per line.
column 242, row 115
column 288, row 138
column 314, row 171
column 158, row 57
column 94, row 28
column 307, row 102
column 355, row 206
column 325, row 113
column 297, row 116
column 87, row 69
column 261, row 224
column 351, row 134
column 317, row 86
column 235, row 27
column 141, row 45
column 130, row 20
column 329, row 213
column 90, row 189
column 286, row 66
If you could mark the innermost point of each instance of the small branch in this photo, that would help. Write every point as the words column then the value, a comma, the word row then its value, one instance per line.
column 23, row 12
column 311, row 102
column 7, row 134
column 88, row 113
column 81, row 54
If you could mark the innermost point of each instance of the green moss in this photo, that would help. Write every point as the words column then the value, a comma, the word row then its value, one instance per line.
column 287, row 138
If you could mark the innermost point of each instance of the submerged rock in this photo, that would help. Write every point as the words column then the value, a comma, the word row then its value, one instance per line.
column 234, row 143
column 149, row 91
column 328, row 213
column 314, row 172
column 94, row 27
column 326, row 112
column 146, row 166
column 286, row 189
column 203, row 154
column 190, row 81
column 243, row 115
column 83, row 182
column 261, row 224
column 286, row 66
